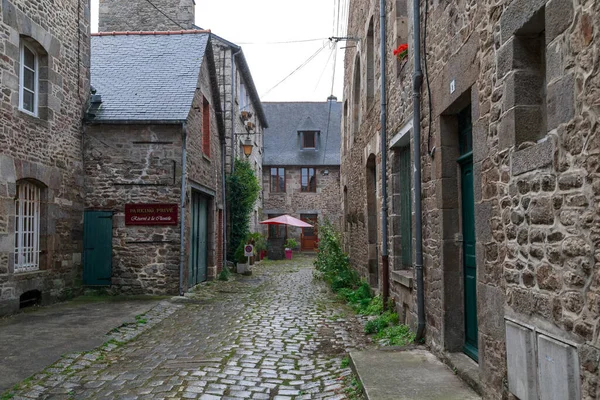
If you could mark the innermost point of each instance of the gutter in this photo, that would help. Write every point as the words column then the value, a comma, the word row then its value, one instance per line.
column 233, row 92
column 417, row 84
column 183, row 194
column 385, row 262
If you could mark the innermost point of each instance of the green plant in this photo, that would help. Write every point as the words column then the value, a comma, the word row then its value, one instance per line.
column 291, row 243
column 243, row 189
column 239, row 254
column 397, row 335
column 224, row 275
column 345, row 362
column 332, row 263
column 380, row 323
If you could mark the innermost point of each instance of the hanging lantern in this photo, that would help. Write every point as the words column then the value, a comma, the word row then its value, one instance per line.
column 247, row 146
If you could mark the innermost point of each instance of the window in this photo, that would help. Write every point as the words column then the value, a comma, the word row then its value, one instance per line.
column 278, row 180
column 206, row 127
column 401, row 28
column 28, row 88
column 27, row 227
column 309, row 180
column 370, row 64
column 309, row 140
column 244, row 98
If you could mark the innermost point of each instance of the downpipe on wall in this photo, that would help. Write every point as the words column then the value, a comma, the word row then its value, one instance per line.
column 417, row 85
column 182, row 219
column 385, row 265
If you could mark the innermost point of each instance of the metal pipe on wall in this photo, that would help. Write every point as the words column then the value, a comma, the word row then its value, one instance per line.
column 183, row 193
column 417, row 85
column 384, row 198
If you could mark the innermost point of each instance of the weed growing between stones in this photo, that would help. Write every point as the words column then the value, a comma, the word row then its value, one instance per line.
column 224, row 275
column 333, row 266
column 345, row 362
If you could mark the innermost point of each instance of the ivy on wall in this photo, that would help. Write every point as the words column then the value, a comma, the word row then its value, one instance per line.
column 242, row 192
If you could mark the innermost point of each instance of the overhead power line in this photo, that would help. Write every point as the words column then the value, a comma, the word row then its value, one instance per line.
column 163, row 13
column 316, row 53
column 283, row 42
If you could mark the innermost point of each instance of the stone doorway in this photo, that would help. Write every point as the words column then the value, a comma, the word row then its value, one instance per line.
column 373, row 266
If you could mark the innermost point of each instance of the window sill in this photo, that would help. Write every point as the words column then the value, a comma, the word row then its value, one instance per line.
column 33, row 118
column 29, row 274
column 403, row 277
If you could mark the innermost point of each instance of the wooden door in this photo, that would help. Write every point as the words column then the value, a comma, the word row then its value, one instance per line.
column 309, row 235
column 97, row 248
column 468, row 232
column 198, row 261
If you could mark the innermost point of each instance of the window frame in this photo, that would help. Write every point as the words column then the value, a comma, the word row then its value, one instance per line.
column 36, row 73
column 278, row 175
column 314, row 140
column 310, row 188
column 28, row 200
column 205, row 127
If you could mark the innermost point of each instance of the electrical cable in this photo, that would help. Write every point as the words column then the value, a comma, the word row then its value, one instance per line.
column 297, row 69
column 282, row 42
column 325, row 68
column 429, row 149
column 163, row 13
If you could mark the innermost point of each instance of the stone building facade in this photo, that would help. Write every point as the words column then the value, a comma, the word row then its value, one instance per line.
column 140, row 152
column 510, row 152
column 44, row 70
column 301, row 166
column 244, row 116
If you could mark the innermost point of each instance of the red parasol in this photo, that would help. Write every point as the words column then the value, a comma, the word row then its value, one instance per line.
column 286, row 220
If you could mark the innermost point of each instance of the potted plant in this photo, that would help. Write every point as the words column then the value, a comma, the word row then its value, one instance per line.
column 260, row 246
column 242, row 262
column 290, row 244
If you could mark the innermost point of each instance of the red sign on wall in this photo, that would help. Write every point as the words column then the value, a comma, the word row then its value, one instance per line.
column 151, row 214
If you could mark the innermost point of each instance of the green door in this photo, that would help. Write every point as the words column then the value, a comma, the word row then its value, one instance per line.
column 97, row 248
column 405, row 206
column 198, row 264
column 468, row 230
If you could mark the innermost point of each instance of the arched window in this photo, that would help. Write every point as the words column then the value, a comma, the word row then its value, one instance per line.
column 27, row 226
column 370, row 64
column 356, row 100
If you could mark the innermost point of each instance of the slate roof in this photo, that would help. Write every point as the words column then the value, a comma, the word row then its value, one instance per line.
column 146, row 76
column 282, row 142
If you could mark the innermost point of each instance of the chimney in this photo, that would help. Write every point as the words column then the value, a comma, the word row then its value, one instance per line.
column 141, row 15
column 332, row 98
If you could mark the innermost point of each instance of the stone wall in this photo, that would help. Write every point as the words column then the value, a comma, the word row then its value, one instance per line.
column 204, row 172
column 324, row 202
column 535, row 158
column 137, row 164
column 229, row 83
column 140, row 15
column 44, row 149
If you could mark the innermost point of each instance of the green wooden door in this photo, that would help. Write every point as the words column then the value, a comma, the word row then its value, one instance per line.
column 468, row 230
column 198, row 264
column 97, row 248
column 405, row 206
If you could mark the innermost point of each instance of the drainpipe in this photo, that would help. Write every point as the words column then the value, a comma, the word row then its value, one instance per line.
column 182, row 222
column 417, row 84
column 233, row 90
column 384, row 202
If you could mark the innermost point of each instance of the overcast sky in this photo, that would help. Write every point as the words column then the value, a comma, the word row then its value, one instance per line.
column 251, row 24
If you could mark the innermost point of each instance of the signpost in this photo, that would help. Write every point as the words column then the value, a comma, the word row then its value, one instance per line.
column 151, row 214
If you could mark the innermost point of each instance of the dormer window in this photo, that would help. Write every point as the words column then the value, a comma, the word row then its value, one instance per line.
column 309, row 140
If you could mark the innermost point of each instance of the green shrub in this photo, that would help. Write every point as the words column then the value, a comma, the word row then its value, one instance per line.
column 242, row 192
column 398, row 335
column 378, row 324
column 239, row 255
column 332, row 263
column 291, row 244
column 224, row 275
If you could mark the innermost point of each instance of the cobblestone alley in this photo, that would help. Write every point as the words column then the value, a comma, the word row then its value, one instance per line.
column 278, row 334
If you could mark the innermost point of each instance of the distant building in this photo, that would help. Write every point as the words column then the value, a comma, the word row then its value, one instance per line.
column 301, row 166
column 44, row 88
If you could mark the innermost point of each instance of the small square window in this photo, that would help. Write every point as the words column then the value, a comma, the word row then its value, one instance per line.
column 309, row 141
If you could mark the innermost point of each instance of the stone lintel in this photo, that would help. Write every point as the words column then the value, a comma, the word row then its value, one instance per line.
column 532, row 158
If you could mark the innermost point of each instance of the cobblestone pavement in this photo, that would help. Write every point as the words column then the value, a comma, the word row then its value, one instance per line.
column 278, row 334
